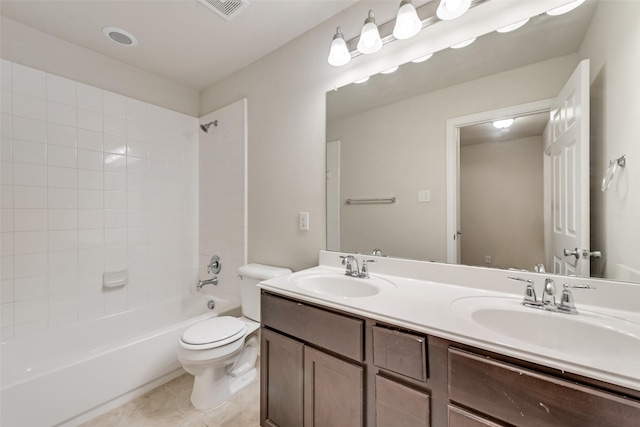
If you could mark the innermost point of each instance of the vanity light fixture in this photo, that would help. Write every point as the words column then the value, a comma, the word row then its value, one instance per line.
column 463, row 44
column 566, row 8
column 339, row 54
column 370, row 41
column 390, row 70
column 512, row 27
column 452, row 9
column 422, row 58
column 407, row 22
column 503, row 124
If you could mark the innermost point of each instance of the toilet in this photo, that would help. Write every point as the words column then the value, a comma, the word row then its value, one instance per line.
column 221, row 352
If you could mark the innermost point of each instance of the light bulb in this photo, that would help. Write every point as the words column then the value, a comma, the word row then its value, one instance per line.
column 370, row 41
column 503, row 124
column 566, row 8
column 512, row 27
column 451, row 9
column 407, row 22
column 339, row 53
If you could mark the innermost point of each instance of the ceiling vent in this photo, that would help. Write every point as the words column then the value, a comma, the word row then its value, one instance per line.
column 228, row 9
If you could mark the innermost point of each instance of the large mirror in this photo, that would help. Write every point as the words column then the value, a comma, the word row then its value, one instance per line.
column 389, row 169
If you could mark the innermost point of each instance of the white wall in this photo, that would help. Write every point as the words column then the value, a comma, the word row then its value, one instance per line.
column 501, row 203
column 223, row 181
column 25, row 45
column 92, row 181
column 612, row 45
column 286, row 95
column 399, row 149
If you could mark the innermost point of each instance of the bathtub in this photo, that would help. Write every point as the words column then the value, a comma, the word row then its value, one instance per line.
column 68, row 375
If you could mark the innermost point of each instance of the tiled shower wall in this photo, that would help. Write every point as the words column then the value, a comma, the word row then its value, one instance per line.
column 223, row 180
column 92, row 181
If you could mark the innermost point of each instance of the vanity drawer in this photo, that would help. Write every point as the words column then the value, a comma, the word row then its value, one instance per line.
column 332, row 331
column 523, row 397
column 400, row 352
column 399, row 405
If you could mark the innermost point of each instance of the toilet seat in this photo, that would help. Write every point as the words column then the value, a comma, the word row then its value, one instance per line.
column 213, row 333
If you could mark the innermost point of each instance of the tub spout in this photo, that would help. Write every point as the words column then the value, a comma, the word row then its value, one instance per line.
column 212, row 281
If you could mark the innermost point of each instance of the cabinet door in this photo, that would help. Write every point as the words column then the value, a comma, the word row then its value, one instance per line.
column 399, row 405
column 281, row 387
column 333, row 391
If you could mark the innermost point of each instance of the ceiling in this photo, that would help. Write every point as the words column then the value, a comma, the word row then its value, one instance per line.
column 523, row 127
column 181, row 40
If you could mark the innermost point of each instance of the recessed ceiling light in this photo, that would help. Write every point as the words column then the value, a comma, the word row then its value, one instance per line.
column 503, row 124
column 120, row 36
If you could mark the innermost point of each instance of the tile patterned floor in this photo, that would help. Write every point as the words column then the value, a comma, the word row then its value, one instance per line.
column 169, row 406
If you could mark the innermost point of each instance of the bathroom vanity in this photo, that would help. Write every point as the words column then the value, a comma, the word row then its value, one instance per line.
column 331, row 360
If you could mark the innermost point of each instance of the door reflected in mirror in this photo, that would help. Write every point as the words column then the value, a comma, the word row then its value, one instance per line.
column 389, row 140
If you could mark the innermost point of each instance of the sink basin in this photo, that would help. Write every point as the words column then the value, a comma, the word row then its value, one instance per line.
column 588, row 333
column 340, row 285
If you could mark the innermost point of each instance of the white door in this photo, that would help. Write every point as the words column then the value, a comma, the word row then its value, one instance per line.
column 567, row 189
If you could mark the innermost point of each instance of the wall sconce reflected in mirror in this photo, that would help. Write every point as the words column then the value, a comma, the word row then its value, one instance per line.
column 452, row 9
column 407, row 22
column 339, row 53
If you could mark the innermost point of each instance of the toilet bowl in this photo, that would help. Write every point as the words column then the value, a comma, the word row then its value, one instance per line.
column 221, row 352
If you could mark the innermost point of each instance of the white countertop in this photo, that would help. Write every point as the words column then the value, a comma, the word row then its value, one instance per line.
column 428, row 307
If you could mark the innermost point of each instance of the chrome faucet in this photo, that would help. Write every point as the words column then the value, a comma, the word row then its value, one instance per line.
column 212, row 281
column 352, row 265
column 548, row 301
column 364, row 273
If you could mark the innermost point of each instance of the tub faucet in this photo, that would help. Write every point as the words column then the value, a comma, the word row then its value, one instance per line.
column 212, row 281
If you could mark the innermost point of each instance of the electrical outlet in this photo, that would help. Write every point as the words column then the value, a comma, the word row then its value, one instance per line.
column 424, row 196
column 303, row 220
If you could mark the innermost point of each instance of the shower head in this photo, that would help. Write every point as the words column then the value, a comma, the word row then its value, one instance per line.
column 205, row 128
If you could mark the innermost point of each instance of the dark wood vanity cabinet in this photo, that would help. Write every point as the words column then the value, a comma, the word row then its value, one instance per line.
column 321, row 367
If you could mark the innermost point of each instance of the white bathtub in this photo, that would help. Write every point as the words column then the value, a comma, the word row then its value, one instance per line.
column 69, row 375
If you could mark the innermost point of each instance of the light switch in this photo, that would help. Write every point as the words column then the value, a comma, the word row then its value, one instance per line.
column 303, row 220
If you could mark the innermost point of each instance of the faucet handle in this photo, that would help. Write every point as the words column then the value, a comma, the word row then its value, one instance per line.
column 567, row 303
column 529, row 293
column 364, row 270
column 549, row 292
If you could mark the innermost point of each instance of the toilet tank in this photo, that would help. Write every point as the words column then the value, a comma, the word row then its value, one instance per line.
column 251, row 275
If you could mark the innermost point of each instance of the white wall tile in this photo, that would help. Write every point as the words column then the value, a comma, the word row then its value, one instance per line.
column 137, row 165
column 61, row 90
column 89, row 139
column 29, row 242
column 89, row 98
column 115, row 181
column 89, row 120
column 63, row 240
column 114, row 218
column 27, row 129
column 62, row 156
column 6, row 148
column 5, row 74
column 114, row 105
column 30, row 265
column 115, row 200
column 60, row 283
column 29, row 152
column 90, row 258
column 136, row 130
column 6, row 125
column 29, row 107
column 28, row 81
column 29, row 197
column 62, row 177
column 115, row 257
column 115, row 126
column 31, row 287
column 90, row 199
column 61, row 135
column 115, row 163
column 6, row 270
column 115, row 236
column 28, row 174
column 63, row 261
column 90, row 218
column 61, row 114
column 6, row 220
column 6, row 173
column 62, row 198
column 90, row 179
column 30, row 219
column 92, row 238
column 6, row 244
column 63, row 219
column 137, row 148
column 136, row 110
column 90, row 160
column 115, row 144
column 6, row 106
column 137, row 183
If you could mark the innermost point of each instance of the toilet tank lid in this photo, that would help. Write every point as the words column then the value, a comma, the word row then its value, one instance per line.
column 262, row 272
